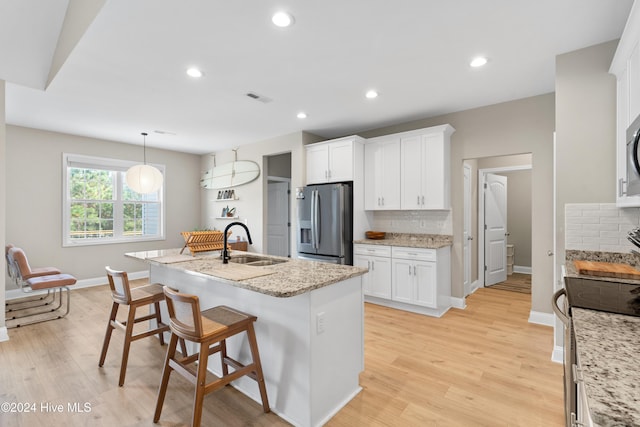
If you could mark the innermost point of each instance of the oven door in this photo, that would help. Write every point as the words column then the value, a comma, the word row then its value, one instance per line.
column 633, row 162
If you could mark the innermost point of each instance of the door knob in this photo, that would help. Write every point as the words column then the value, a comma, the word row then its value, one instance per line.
column 549, row 253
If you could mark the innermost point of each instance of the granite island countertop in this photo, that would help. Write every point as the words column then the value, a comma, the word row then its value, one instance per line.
column 425, row 241
column 287, row 279
column 608, row 346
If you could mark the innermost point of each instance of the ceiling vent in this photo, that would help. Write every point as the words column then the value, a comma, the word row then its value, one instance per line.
column 260, row 98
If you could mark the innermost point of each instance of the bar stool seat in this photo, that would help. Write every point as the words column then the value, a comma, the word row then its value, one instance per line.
column 133, row 298
column 210, row 329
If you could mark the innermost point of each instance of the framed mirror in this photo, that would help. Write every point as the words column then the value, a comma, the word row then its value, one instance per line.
column 230, row 174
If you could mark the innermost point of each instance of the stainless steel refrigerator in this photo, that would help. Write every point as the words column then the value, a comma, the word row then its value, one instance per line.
column 325, row 223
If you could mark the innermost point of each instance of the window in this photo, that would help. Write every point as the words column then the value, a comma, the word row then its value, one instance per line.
column 100, row 208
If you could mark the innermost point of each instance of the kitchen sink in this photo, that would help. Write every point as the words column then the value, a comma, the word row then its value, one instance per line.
column 255, row 261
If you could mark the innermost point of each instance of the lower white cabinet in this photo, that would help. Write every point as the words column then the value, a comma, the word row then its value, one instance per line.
column 412, row 279
column 377, row 259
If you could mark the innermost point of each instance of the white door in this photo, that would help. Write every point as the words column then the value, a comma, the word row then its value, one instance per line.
column 402, row 281
column 380, row 277
column 317, row 164
column 364, row 262
column 278, row 219
column 411, row 172
column 466, row 231
column 340, row 161
column 495, row 229
column 426, row 278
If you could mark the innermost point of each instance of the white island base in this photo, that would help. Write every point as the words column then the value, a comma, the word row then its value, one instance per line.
column 311, row 345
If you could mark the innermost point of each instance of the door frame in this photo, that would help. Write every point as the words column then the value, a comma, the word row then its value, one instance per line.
column 481, row 182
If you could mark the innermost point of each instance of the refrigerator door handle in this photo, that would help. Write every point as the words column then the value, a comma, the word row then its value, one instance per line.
column 315, row 219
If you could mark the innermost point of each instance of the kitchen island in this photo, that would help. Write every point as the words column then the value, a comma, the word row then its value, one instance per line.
column 310, row 327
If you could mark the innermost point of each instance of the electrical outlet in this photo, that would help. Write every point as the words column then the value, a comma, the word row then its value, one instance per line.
column 320, row 322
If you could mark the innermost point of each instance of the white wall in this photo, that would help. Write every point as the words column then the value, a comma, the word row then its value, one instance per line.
column 251, row 206
column 34, row 200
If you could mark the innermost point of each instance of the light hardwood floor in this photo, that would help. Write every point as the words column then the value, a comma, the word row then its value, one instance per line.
column 482, row 366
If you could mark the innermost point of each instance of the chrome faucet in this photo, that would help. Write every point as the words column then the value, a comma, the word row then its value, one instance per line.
column 225, row 253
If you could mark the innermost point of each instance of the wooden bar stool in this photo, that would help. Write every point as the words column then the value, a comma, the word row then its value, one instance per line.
column 123, row 294
column 210, row 329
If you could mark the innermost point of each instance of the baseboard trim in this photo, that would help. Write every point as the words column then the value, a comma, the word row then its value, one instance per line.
column 557, row 355
column 521, row 269
column 4, row 334
column 84, row 283
column 459, row 303
column 540, row 318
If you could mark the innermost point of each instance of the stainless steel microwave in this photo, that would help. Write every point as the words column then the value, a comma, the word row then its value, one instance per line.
column 633, row 161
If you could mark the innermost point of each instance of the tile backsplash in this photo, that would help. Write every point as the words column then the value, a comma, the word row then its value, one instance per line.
column 599, row 227
column 420, row 222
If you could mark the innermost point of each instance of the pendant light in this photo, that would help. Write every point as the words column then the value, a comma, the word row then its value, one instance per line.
column 144, row 179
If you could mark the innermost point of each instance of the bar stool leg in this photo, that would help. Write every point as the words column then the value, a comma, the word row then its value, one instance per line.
column 223, row 356
column 253, row 344
column 131, row 319
column 201, row 382
column 156, row 306
column 107, row 335
column 166, row 372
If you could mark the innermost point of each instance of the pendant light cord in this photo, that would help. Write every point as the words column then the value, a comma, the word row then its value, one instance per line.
column 144, row 147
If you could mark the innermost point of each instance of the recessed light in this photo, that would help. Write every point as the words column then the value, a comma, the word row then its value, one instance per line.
column 302, row 115
column 478, row 61
column 194, row 72
column 282, row 19
column 371, row 94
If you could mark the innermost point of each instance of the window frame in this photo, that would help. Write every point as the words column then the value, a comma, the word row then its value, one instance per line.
column 115, row 165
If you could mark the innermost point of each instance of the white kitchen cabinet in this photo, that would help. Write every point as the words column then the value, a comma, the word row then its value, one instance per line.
column 332, row 161
column 424, row 180
column 382, row 174
column 415, row 276
column 626, row 67
column 411, row 279
column 377, row 259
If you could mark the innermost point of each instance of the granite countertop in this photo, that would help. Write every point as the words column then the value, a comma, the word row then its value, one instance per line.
column 614, row 257
column 287, row 279
column 426, row 241
column 608, row 347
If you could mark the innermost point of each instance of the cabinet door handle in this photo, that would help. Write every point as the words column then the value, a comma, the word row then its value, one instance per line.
column 368, row 265
column 422, row 200
column 418, row 202
column 382, row 200
column 373, row 265
column 409, row 270
column 414, row 270
column 329, row 173
column 378, row 201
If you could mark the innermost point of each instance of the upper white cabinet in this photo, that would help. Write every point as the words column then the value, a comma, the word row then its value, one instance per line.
column 423, row 167
column 626, row 67
column 382, row 173
column 332, row 161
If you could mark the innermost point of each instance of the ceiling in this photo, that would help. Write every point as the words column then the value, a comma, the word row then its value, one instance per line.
column 123, row 72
